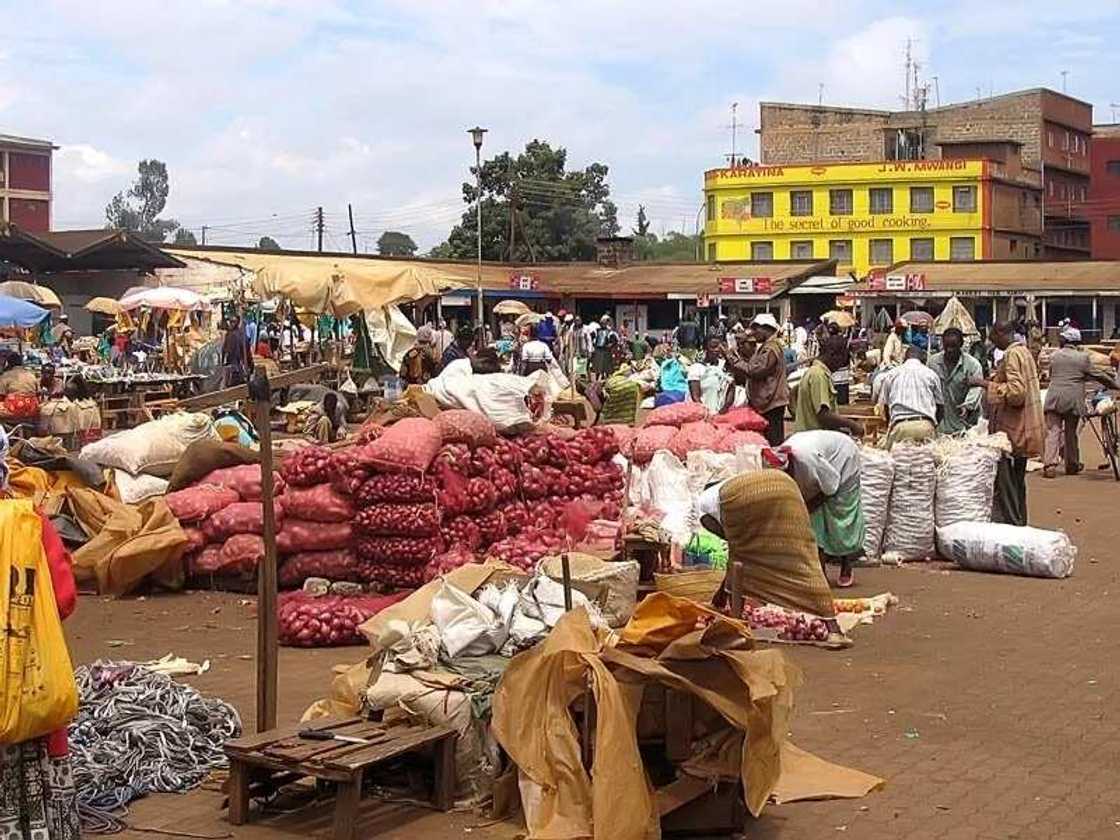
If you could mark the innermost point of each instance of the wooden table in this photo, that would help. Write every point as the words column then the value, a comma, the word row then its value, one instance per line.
column 282, row 752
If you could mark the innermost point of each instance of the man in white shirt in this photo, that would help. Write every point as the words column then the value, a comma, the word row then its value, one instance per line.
column 912, row 397
column 826, row 467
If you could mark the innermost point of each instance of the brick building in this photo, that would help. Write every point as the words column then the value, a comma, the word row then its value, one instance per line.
column 25, row 182
column 1103, row 207
column 1051, row 130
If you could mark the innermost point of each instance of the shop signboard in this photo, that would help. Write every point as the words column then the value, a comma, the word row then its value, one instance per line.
column 524, row 282
column 746, row 285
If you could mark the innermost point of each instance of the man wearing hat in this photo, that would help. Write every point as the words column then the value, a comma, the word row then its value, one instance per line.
column 420, row 363
column 894, row 351
column 767, row 389
column 1071, row 369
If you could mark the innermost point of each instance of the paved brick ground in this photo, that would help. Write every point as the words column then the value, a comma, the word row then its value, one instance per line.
column 989, row 703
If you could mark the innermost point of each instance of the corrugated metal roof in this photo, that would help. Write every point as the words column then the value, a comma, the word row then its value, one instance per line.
column 13, row 140
column 1001, row 276
column 80, row 250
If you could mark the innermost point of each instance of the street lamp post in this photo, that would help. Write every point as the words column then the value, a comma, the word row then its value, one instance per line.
column 476, row 136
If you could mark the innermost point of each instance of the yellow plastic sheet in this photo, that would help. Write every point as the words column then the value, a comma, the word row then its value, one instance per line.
column 39, row 694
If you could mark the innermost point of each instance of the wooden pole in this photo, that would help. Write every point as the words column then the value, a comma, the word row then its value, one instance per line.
column 267, row 645
column 566, row 572
column 736, row 591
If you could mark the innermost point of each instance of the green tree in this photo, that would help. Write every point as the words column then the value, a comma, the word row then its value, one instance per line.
column 442, row 251
column 674, row 247
column 535, row 210
column 137, row 209
column 393, row 243
column 642, row 225
column 184, row 237
column 267, row 243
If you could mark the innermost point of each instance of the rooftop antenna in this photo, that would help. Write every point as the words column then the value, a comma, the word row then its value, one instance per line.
column 820, row 94
column 1064, row 73
column 1115, row 107
column 936, row 91
column 909, row 64
column 734, row 130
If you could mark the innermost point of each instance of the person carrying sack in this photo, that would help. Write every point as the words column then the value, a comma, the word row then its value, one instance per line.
column 37, row 794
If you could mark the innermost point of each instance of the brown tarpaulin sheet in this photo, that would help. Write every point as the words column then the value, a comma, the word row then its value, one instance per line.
column 751, row 690
column 127, row 542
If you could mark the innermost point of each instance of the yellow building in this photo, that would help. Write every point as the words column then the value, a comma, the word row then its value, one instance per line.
column 872, row 215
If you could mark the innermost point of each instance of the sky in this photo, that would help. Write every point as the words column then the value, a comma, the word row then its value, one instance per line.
column 265, row 109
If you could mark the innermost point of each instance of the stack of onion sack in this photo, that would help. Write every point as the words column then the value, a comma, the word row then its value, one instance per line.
column 556, row 471
column 327, row 621
column 222, row 517
column 315, row 532
column 396, row 521
column 687, row 427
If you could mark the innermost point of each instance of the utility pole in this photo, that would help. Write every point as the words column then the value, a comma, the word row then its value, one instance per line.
column 319, row 226
column 204, row 234
column 353, row 236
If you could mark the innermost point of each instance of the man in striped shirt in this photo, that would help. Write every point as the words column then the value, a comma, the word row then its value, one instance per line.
column 912, row 396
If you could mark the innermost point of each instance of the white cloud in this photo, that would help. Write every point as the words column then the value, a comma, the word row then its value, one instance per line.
column 266, row 109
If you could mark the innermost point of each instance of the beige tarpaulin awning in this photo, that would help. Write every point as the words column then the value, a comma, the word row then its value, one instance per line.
column 338, row 286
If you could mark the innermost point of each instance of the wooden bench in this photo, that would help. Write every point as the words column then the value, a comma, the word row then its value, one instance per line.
column 282, row 752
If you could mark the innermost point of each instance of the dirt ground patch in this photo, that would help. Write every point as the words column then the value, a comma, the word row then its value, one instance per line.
column 991, row 704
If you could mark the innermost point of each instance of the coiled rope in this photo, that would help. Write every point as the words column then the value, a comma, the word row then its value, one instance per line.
column 139, row 732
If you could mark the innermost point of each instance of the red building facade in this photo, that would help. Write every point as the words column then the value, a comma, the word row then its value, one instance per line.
column 1103, row 205
column 25, row 182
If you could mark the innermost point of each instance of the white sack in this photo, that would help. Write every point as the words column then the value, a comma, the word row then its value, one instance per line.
column 876, row 478
column 966, row 477
column 910, row 530
column 466, row 626
column 153, row 447
column 619, row 578
column 1008, row 549
column 670, row 492
column 134, row 489
column 499, row 396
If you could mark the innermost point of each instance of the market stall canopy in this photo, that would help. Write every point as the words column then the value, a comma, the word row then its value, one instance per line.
column 30, row 291
column 511, row 307
column 80, row 250
column 955, row 315
column 843, row 320
column 15, row 312
column 104, row 306
column 338, row 286
column 164, row 297
column 916, row 318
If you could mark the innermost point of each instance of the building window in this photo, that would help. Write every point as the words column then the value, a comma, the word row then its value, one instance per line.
column 762, row 205
column 1050, row 188
column 840, row 250
column 801, row 250
column 882, row 199
column 1114, row 223
column 1050, row 138
column 1112, row 167
column 921, row 199
column 921, row 249
column 711, row 252
column 962, row 248
column 840, row 202
column 882, row 251
column 1082, row 191
column 1013, row 245
column 801, row 203
column 964, row 199
column 1065, row 141
column 711, row 208
column 762, row 251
